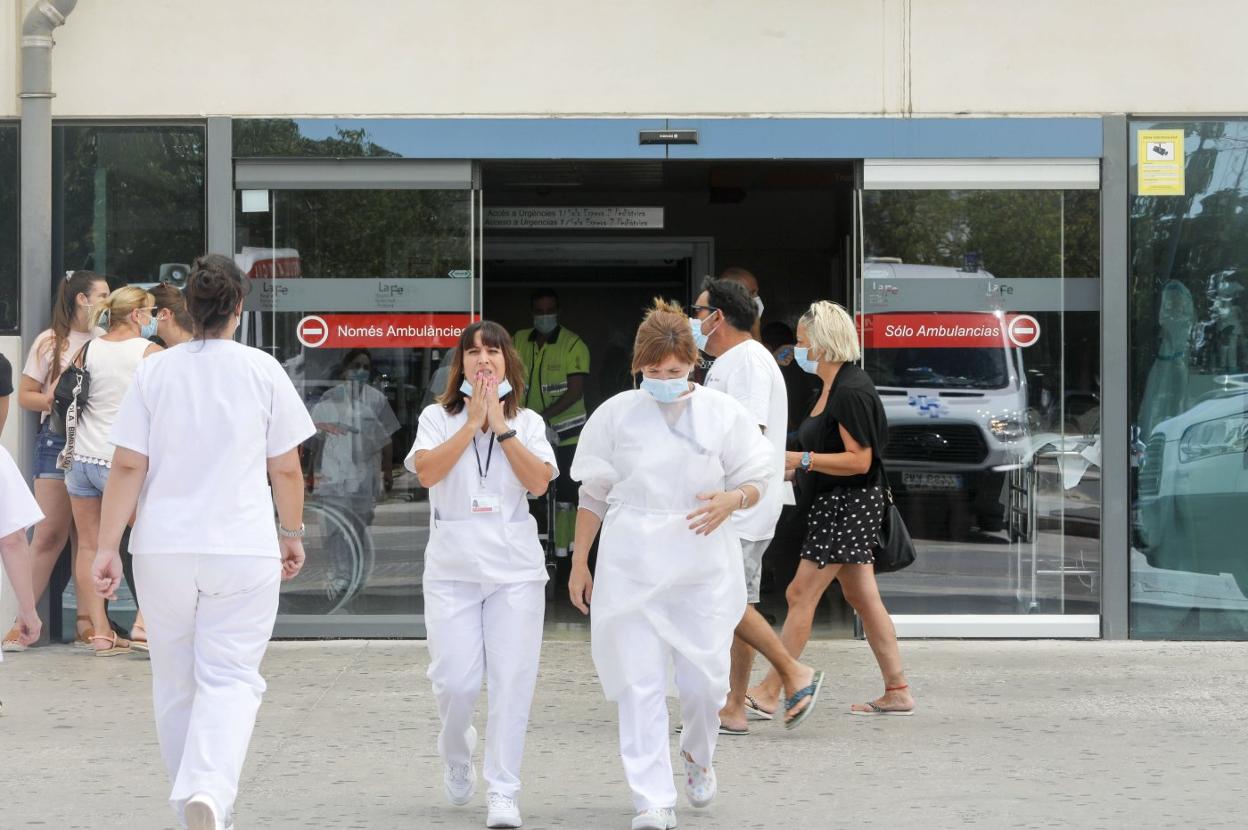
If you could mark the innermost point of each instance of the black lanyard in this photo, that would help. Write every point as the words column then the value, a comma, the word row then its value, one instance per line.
column 488, row 457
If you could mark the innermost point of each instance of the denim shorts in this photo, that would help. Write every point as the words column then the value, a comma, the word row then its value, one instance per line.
column 47, row 447
column 86, row 480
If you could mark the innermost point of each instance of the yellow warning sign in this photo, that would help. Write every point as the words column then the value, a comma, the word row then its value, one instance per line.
column 1161, row 163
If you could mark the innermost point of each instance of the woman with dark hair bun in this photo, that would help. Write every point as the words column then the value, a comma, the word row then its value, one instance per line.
column 480, row 453
column 207, row 554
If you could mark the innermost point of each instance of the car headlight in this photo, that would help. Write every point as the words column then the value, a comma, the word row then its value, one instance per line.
column 1007, row 429
column 1217, row 437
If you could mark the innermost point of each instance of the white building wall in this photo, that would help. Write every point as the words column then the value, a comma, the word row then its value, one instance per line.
column 646, row 57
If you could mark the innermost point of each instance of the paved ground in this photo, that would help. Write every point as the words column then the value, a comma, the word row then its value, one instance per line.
column 1011, row 735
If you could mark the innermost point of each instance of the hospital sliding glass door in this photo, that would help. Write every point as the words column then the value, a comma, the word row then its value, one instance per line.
column 362, row 276
column 979, row 301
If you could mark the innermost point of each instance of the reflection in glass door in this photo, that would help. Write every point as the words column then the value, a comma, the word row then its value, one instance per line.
column 980, row 321
column 360, row 294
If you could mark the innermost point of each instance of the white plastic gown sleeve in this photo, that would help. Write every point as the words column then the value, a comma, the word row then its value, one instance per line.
column 648, row 462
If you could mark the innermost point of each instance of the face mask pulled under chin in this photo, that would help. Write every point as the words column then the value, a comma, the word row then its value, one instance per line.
column 504, row 388
column 665, row 390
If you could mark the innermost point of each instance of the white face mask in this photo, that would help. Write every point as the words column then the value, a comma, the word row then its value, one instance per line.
column 545, row 323
column 504, row 388
column 758, row 304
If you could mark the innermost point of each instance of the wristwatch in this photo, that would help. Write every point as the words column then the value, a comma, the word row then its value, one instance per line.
column 807, row 460
column 291, row 534
column 511, row 433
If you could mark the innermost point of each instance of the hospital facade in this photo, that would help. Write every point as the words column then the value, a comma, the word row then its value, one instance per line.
column 1038, row 214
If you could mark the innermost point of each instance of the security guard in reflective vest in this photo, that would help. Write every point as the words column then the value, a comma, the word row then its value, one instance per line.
column 556, row 362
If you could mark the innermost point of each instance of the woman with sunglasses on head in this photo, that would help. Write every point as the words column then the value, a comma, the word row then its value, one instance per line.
column 662, row 468
column 481, row 454
column 49, row 355
column 111, row 360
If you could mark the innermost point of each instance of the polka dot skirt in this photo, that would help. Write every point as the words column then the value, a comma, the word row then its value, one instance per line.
column 843, row 526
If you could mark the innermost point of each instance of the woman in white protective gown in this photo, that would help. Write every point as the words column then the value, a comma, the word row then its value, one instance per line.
column 661, row 470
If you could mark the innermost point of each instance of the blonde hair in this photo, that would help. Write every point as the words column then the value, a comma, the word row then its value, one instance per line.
column 119, row 305
column 662, row 334
column 831, row 331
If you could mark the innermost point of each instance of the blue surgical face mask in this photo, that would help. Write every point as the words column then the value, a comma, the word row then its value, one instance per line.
column 801, row 355
column 545, row 323
column 665, row 390
column 359, row 374
column 699, row 339
column 504, row 388
column 149, row 328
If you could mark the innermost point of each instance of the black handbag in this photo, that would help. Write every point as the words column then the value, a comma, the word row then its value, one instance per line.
column 895, row 549
column 72, row 386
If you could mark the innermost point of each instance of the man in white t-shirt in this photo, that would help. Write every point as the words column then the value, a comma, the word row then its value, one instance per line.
column 722, row 319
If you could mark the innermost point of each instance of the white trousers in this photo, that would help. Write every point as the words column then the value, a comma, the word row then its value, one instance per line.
column 645, row 743
column 209, row 619
column 493, row 631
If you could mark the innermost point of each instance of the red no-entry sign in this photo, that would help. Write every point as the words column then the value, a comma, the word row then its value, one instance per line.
column 1023, row 330
column 312, row 331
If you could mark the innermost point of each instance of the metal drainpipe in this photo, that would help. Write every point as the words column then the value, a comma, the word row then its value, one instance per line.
column 36, row 207
column 36, row 184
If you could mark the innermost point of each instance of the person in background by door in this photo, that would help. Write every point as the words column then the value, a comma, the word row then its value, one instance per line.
column 173, row 321
column 207, row 445
column 556, row 363
column 749, row 282
column 841, row 491
column 112, row 359
column 480, row 454
column 50, row 353
column 745, row 371
column 353, row 457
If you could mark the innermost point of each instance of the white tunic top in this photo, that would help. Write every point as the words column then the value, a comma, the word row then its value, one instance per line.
column 358, row 422
column 484, row 547
column 18, row 511
column 647, row 462
column 748, row 373
column 208, row 415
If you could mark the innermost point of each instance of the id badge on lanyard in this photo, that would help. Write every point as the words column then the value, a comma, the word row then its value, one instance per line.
column 483, row 502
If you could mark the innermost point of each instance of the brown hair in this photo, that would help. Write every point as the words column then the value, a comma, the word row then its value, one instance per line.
column 495, row 336
column 214, row 289
column 171, row 298
column 662, row 334
column 64, row 307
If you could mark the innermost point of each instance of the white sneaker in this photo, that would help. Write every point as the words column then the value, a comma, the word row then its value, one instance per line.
column 460, row 780
column 700, row 784
column 656, row 818
column 501, row 811
column 202, row 814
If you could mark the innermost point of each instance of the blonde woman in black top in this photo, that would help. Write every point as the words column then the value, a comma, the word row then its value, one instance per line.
column 841, row 487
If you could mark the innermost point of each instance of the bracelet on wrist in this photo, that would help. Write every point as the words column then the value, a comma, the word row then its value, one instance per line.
column 291, row 534
column 744, row 497
column 511, row 433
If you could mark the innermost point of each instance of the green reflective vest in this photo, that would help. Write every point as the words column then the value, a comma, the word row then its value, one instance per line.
column 546, row 371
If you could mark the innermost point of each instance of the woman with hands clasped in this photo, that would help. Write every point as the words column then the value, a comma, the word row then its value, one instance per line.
column 481, row 454
column 661, row 469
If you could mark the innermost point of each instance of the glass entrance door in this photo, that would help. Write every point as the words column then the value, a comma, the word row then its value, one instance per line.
column 979, row 297
column 360, row 290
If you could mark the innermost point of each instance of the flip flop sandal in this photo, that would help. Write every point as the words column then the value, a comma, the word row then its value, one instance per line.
column 753, row 710
column 723, row 730
column 812, row 692
column 874, row 710
column 116, row 645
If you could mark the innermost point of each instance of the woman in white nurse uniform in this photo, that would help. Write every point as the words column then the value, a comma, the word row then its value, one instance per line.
column 661, row 469
column 18, row 511
column 480, row 454
column 203, row 430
